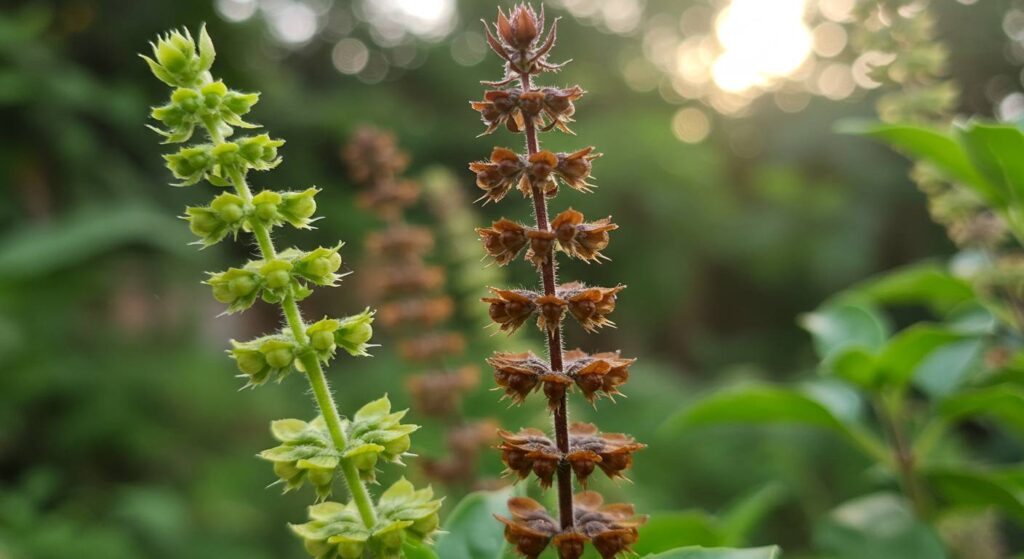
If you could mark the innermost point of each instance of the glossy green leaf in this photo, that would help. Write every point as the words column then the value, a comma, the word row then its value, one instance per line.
column 932, row 146
column 719, row 553
column 948, row 367
column 471, row 532
column 877, row 526
column 965, row 488
column 840, row 325
column 1003, row 403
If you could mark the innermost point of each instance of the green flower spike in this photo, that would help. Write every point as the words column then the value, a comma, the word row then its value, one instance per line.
column 329, row 447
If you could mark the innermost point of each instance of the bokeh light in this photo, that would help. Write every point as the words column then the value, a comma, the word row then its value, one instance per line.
column 761, row 41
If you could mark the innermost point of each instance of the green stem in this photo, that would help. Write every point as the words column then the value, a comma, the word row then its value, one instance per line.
column 314, row 371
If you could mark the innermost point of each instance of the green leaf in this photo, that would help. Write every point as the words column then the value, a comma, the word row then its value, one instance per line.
column 675, row 529
column 877, row 526
column 31, row 252
column 930, row 145
column 471, row 532
column 739, row 520
column 997, row 151
column 927, row 284
column 946, row 369
column 966, row 488
column 1003, row 403
column 837, row 326
column 901, row 356
column 719, row 553
column 766, row 404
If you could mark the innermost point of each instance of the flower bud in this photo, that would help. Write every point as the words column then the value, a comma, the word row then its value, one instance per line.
column 317, row 548
column 350, row 550
column 177, row 61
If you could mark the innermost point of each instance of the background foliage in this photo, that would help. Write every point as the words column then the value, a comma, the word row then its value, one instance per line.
column 121, row 434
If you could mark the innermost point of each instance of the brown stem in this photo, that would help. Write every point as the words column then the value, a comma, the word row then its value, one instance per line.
column 548, row 271
column 903, row 456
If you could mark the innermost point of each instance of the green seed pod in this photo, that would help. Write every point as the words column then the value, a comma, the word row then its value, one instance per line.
column 321, row 476
column 280, row 358
column 425, row 526
column 223, row 293
column 365, row 461
column 204, row 224
column 286, row 470
column 397, row 446
column 250, row 362
column 322, row 341
column 317, row 548
column 243, row 285
column 350, row 550
column 298, row 207
column 390, row 540
column 276, row 274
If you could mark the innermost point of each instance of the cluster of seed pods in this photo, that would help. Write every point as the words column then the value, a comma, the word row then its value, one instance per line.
column 576, row 450
column 414, row 307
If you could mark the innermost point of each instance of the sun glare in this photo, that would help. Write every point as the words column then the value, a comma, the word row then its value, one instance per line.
column 761, row 41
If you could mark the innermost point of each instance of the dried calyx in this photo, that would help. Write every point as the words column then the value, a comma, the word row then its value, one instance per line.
column 576, row 450
column 414, row 305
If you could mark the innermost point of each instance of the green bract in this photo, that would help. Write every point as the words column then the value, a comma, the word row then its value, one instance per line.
column 328, row 447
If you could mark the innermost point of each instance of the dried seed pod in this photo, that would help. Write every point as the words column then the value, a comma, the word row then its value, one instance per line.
column 497, row 176
column 574, row 168
column 594, row 374
column 372, row 155
column 517, row 373
column 558, row 105
column 612, row 529
column 503, row 240
column 498, row 107
column 531, row 527
column 542, row 244
column 590, row 305
column 510, row 308
column 552, row 310
column 540, row 174
column 582, row 240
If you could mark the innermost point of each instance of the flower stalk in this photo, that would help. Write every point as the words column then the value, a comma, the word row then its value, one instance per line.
column 313, row 452
column 577, row 449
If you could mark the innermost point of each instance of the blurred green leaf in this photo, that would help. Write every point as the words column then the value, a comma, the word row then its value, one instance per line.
column 719, row 553
column 996, row 152
column 839, row 325
column 877, row 527
column 946, row 369
column 965, row 488
column 927, row 284
column 906, row 350
column 739, row 520
column 674, row 529
column 1003, row 403
column 471, row 532
column 930, row 145
column 765, row 404
column 43, row 249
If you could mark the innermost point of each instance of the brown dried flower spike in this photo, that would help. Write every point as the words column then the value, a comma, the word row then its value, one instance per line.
column 580, row 449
